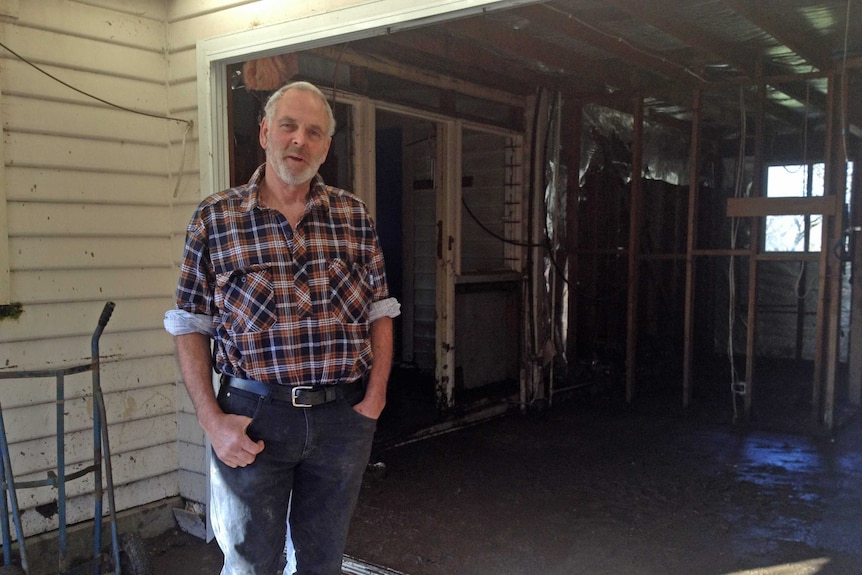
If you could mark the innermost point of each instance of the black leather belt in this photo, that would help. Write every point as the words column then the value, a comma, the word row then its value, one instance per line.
column 296, row 395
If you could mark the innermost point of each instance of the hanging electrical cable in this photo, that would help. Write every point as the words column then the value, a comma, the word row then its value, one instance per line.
column 189, row 123
column 843, row 111
column 494, row 234
column 806, row 190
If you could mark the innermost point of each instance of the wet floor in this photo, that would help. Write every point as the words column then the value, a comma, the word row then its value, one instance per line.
column 582, row 490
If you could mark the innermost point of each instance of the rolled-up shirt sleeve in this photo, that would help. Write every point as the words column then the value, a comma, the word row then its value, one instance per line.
column 382, row 304
column 194, row 311
column 389, row 307
column 181, row 322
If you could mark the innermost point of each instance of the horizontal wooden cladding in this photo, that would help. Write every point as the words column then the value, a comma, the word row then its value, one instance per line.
column 64, row 152
column 87, row 220
column 139, row 96
column 182, row 214
column 179, row 10
column 30, row 498
column 116, row 377
column 95, row 285
column 755, row 207
column 33, row 429
column 177, row 248
column 78, row 54
column 193, row 485
column 188, row 429
column 192, row 457
column 89, row 189
column 184, row 96
column 63, row 253
column 190, row 21
column 82, row 122
column 34, row 459
column 139, row 23
column 37, row 225
column 38, row 184
column 182, row 71
column 161, row 482
column 61, row 352
column 188, row 188
column 66, row 319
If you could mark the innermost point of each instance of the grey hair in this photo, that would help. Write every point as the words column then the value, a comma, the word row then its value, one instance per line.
column 269, row 109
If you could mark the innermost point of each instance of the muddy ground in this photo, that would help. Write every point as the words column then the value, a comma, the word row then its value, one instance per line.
column 580, row 489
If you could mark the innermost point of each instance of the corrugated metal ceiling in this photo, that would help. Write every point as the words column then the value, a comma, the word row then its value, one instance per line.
column 660, row 49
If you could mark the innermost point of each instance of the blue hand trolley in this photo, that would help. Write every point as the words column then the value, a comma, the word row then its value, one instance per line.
column 126, row 556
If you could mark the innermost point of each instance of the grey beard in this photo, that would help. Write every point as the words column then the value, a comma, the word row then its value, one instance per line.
column 291, row 178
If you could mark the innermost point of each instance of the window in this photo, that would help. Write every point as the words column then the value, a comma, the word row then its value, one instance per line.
column 490, row 207
column 799, row 233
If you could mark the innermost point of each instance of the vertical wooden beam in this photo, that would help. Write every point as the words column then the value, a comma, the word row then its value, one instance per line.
column 448, row 174
column 364, row 164
column 754, row 249
column 691, row 244
column 836, row 185
column 634, row 248
column 823, row 289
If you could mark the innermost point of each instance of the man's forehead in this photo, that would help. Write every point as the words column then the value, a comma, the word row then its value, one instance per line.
column 291, row 116
column 305, row 109
column 299, row 101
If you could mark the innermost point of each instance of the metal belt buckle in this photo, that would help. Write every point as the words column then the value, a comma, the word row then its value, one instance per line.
column 293, row 393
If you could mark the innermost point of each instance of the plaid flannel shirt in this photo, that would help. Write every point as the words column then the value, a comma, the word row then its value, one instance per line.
column 290, row 306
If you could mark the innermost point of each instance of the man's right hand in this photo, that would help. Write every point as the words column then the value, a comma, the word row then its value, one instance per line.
column 227, row 432
column 231, row 443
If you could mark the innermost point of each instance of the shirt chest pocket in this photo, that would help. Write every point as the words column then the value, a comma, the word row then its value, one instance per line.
column 246, row 299
column 350, row 291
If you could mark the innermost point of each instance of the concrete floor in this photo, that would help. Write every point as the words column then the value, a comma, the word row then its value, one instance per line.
column 586, row 489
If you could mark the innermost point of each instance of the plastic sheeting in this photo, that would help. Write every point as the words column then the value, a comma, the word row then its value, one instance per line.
column 665, row 151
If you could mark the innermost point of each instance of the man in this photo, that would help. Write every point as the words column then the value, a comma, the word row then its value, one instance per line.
column 287, row 275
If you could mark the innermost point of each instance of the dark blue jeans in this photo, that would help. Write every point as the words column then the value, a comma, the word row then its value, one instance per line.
column 317, row 455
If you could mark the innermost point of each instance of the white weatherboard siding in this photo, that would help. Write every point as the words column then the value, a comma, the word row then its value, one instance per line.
column 88, row 218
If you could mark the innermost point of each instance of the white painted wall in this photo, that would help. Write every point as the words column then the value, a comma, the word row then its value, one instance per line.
column 88, row 211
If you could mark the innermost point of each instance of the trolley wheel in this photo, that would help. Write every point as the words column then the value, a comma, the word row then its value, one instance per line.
column 134, row 559
column 11, row 570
